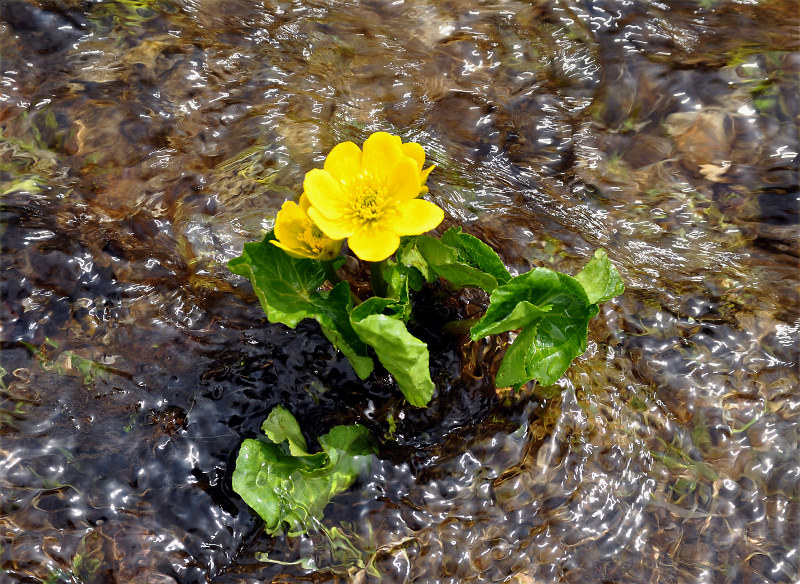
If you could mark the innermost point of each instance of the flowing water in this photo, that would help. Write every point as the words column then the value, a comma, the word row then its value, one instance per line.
column 145, row 141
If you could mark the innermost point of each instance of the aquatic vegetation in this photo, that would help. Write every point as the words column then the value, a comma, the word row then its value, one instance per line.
column 30, row 185
column 553, row 310
column 178, row 138
column 126, row 13
column 287, row 485
column 370, row 199
column 70, row 363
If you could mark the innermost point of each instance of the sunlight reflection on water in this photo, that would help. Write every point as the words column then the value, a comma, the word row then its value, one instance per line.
column 144, row 142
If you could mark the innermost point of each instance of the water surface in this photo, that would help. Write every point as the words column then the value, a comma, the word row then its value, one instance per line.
column 144, row 142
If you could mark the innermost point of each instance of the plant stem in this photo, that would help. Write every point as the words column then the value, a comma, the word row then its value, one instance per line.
column 376, row 279
column 459, row 327
column 333, row 278
column 330, row 272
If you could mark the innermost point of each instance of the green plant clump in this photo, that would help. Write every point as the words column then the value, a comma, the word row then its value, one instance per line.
column 372, row 199
column 288, row 486
column 277, row 476
column 551, row 309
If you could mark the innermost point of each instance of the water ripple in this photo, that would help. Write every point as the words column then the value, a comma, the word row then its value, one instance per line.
column 144, row 143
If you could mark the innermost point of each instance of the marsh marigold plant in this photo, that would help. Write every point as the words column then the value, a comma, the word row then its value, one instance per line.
column 371, row 197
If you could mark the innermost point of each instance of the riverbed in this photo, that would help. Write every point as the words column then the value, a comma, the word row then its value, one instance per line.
column 144, row 142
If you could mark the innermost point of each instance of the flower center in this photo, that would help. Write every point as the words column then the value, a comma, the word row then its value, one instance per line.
column 313, row 237
column 369, row 202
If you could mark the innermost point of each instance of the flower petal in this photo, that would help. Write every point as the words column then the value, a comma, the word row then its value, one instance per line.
column 415, row 151
column 330, row 250
column 402, row 182
column 337, row 228
column 423, row 175
column 326, row 193
column 344, row 162
column 290, row 222
column 304, row 202
column 415, row 217
column 295, row 253
column 373, row 242
column 381, row 152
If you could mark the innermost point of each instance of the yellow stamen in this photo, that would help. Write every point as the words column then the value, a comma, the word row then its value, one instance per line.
column 313, row 238
column 369, row 203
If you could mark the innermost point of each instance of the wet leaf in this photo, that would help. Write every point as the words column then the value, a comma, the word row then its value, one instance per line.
column 459, row 258
column 288, row 290
column 378, row 322
column 89, row 558
column 281, row 426
column 29, row 185
column 70, row 363
column 553, row 310
column 290, row 491
column 600, row 278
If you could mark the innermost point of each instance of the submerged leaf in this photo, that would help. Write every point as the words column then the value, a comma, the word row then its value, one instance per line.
column 290, row 491
column 282, row 426
column 600, row 278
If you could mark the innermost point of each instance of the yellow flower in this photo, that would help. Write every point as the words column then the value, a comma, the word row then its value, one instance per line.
column 298, row 236
column 415, row 151
column 370, row 197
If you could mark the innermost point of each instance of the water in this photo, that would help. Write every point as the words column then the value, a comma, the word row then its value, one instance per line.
column 144, row 142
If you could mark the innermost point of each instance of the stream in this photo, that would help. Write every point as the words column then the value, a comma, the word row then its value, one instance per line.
column 143, row 142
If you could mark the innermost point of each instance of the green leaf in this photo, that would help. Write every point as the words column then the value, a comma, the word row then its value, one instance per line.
column 30, row 185
column 553, row 311
column 346, row 439
column 540, row 292
column 282, row 426
column 473, row 252
column 287, row 289
column 377, row 305
column 445, row 262
column 600, row 278
column 291, row 491
column 334, row 320
column 253, row 482
column 408, row 255
column 459, row 258
column 285, row 286
column 378, row 323
column 402, row 280
column 513, row 370
column 523, row 313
